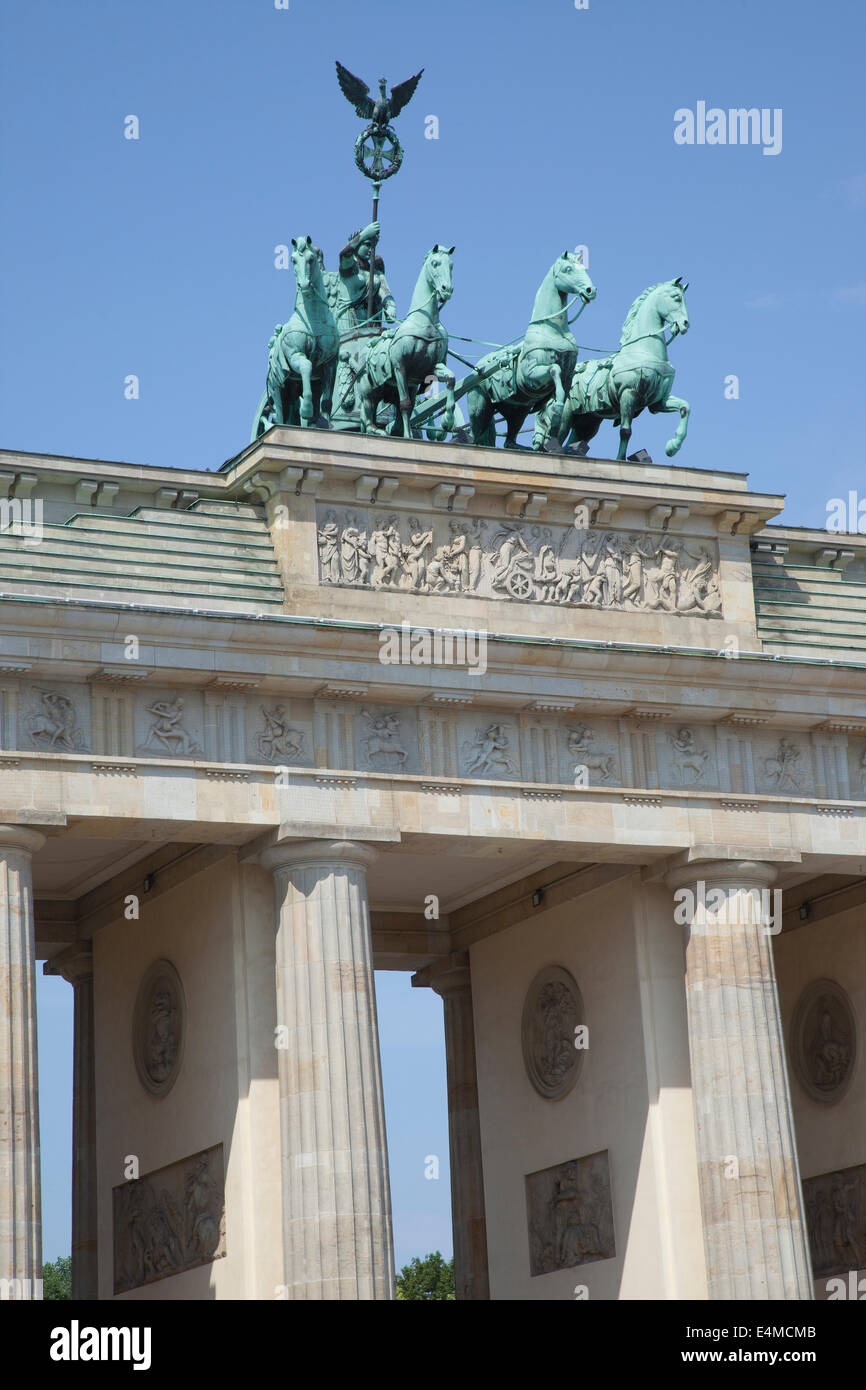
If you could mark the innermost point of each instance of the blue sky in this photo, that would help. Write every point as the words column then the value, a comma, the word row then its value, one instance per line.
column 155, row 257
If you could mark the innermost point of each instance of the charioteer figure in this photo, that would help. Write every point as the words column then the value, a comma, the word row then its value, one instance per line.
column 354, row 276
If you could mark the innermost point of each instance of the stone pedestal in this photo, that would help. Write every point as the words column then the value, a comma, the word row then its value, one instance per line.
column 76, row 966
column 751, row 1200
column 20, row 1200
column 336, row 1197
column 451, row 980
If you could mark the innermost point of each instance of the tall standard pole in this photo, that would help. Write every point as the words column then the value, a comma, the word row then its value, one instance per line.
column 371, row 286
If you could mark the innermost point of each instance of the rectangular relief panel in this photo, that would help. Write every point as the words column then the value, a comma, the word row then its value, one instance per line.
column 569, row 1213
column 515, row 560
column 836, row 1220
column 170, row 1220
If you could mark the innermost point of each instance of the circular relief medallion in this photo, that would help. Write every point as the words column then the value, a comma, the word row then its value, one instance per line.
column 824, row 1037
column 551, row 1013
column 158, row 1028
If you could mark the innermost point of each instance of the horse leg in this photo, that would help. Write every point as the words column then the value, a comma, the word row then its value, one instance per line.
column 276, row 393
column 627, row 411
column 443, row 373
column 404, row 396
column 327, row 390
column 565, row 421
column 363, row 400
column 541, row 433
column 584, row 428
column 671, row 404
column 557, row 405
column 479, row 408
column 514, row 417
column 304, row 368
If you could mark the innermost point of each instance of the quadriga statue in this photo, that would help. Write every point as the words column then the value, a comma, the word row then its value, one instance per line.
column 637, row 377
column 518, row 380
column 302, row 354
column 412, row 354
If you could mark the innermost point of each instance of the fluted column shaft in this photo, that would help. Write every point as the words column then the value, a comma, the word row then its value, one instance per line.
column 76, row 966
column 336, row 1196
column 751, row 1198
column 20, row 1197
column 452, row 981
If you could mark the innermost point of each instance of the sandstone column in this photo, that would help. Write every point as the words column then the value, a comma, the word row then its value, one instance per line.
column 336, row 1196
column 751, row 1199
column 451, row 980
column 20, row 1202
column 76, row 966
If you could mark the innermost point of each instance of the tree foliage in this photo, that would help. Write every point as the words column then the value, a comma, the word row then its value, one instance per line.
column 57, row 1278
column 427, row 1279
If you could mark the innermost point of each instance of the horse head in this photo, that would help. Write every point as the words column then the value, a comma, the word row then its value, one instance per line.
column 306, row 262
column 438, row 266
column 656, row 308
column 671, row 305
column 571, row 278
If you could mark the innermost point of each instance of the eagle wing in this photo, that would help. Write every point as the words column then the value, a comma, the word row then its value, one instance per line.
column 402, row 94
column 356, row 92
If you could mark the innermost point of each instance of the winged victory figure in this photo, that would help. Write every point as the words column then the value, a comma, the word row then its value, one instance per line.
column 379, row 111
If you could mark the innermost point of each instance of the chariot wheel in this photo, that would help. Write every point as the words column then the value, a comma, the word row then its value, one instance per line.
column 519, row 584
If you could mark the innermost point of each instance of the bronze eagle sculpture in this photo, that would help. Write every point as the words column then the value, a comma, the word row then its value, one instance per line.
column 379, row 111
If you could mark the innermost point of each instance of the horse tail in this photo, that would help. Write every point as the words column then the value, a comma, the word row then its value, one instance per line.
column 260, row 420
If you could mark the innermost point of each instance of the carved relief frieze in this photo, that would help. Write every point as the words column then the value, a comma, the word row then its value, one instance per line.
column 277, row 738
column 158, row 1027
column 552, row 1015
column 518, row 560
column 570, row 1214
column 824, row 1041
column 836, row 1220
column 857, row 767
column 448, row 735
column 592, row 755
column 169, row 725
column 688, row 757
column 386, row 739
column 489, row 750
column 56, row 718
column 170, row 1220
column 783, row 766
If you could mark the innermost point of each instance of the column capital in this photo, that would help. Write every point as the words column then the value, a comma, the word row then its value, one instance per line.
column 20, row 839
column 301, row 854
column 731, row 873
column 446, row 976
column 74, row 964
column 306, row 854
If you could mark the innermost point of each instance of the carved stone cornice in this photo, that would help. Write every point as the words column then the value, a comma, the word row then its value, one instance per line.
column 741, row 720
column 128, row 674
column 341, row 690
column 239, row 683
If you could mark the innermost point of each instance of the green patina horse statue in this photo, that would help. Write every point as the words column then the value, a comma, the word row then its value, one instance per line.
column 302, row 354
column 412, row 354
column 538, row 369
column 637, row 377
